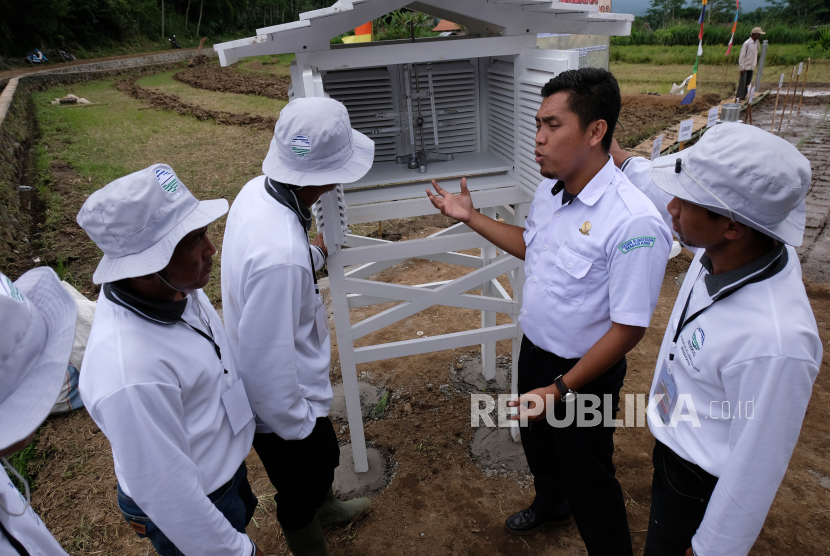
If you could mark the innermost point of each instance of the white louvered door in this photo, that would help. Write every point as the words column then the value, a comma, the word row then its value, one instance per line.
column 537, row 67
column 369, row 96
column 501, row 113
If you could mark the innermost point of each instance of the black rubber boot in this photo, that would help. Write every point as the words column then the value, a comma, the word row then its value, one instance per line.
column 308, row 541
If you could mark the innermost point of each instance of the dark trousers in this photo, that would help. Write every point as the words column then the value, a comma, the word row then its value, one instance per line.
column 234, row 499
column 680, row 492
column 572, row 468
column 743, row 85
column 302, row 471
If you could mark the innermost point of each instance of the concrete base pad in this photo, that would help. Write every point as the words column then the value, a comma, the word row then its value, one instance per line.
column 348, row 484
column 369, row 396
column 494, row 448
column 472, row 374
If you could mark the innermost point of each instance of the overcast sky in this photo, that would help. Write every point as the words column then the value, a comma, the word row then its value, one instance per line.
column 639, row 7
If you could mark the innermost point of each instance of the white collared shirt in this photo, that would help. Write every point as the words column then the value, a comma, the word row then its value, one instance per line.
column 747, row 366
column 599, row 259
column 270, row 305
column 27, row 529
column 155, row 391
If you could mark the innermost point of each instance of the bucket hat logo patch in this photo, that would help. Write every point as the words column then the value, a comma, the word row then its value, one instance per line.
column 300, row 145
column 168, row 181
column 8, row 288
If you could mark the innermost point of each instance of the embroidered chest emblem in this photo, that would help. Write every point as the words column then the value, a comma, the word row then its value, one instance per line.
column 585, row 228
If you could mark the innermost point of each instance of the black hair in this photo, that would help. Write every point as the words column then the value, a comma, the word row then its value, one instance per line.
column 594, row 95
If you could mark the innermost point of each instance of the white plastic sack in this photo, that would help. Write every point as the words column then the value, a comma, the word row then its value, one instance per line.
column 69, row 397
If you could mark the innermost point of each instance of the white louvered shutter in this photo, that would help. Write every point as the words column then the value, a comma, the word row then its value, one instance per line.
column 541, row 66
column 501, row 113
column 456, row 93
column 366, row 93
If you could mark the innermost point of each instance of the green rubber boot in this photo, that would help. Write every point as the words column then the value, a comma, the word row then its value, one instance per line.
column 334, row 513
column 308, row 541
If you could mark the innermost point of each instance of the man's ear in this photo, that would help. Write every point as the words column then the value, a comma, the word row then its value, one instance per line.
column 598, row 129
column 735, row 230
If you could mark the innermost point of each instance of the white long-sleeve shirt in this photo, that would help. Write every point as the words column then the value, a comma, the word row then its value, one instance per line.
column 155, row 391
column 270, row 305
column 27, row 529
column 748, row 363
column 749, row 55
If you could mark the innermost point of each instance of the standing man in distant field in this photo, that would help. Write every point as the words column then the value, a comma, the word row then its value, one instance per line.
column 748, row 60
column 595, row 252
column 276, row 319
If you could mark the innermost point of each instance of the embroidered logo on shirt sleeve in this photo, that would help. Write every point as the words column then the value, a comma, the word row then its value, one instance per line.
column 636, row 243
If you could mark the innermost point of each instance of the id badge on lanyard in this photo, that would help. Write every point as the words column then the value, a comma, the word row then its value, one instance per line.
column 666, row 386
column 235, row 400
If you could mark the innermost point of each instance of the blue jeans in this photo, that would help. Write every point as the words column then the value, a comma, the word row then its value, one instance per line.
column 234, row 499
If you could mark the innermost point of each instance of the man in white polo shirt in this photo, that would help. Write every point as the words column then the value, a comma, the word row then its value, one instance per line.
column 595, row 251
column 38, row 331
column 741, row 351
column 276, row 318
column 159, row 376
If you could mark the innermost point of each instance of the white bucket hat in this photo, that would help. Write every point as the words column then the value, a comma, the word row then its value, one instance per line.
column 745, row 173
column 314, row 144
column 138, row 220
column 35, row 343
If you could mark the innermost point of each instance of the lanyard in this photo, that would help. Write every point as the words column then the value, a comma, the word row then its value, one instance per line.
column 207, row 336
column 681, row 324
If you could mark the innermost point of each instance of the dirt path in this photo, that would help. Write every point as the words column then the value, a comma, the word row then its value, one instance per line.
column 228, row 80
column 163, row 101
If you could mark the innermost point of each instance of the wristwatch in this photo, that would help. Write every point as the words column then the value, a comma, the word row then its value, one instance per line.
column 565, row 393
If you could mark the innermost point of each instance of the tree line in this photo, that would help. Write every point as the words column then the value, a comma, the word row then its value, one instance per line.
column 91, row 24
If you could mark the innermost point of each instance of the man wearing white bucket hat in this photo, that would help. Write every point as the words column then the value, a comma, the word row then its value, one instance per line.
column 39, row 328
column 276, row 318
column 741, row 351
column 159, row 377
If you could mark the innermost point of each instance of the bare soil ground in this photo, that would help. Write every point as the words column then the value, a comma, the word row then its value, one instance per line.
column 216, row 78
column 439, row 501
column 644, row 115
column 164, row 101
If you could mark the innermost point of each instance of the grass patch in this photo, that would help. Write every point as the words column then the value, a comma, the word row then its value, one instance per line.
column 120, row 136
column 713, row 55
column 23, row 461
column 212, row 100
column 643, row 78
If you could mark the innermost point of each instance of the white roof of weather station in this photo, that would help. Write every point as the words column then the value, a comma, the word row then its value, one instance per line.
column 485, row 18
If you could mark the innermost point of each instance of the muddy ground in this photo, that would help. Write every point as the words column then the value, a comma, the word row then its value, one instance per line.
column 226, row 80
column 440, row 501
column 644, row 115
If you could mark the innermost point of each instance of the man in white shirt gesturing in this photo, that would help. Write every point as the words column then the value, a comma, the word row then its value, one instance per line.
column 741, row 350
column 159, row 377
column 276, row 319
column 595, row 251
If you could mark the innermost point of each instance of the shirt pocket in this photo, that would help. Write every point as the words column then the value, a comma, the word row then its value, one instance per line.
column 568, row 276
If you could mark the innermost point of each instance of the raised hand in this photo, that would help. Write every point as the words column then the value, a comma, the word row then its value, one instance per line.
column 458, row 206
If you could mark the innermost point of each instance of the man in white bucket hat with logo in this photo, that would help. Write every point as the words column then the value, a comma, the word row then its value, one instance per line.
column 159, row 376
column 38, row 332
column 276, row 319
column 741, row 351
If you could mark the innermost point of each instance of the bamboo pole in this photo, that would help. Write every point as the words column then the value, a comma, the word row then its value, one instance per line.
column 802, row 87
column 682, row 145
column 784, row 108
column 792, row 104
column 774, row 110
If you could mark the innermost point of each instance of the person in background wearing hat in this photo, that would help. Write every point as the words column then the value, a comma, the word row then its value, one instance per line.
column 741, row 351
column 748, row 60
column 276, row 318
column 159, row 377
column 38, row 331
column 595, row 252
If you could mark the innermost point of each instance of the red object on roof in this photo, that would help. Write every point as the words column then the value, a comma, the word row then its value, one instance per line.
column 446, row 25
